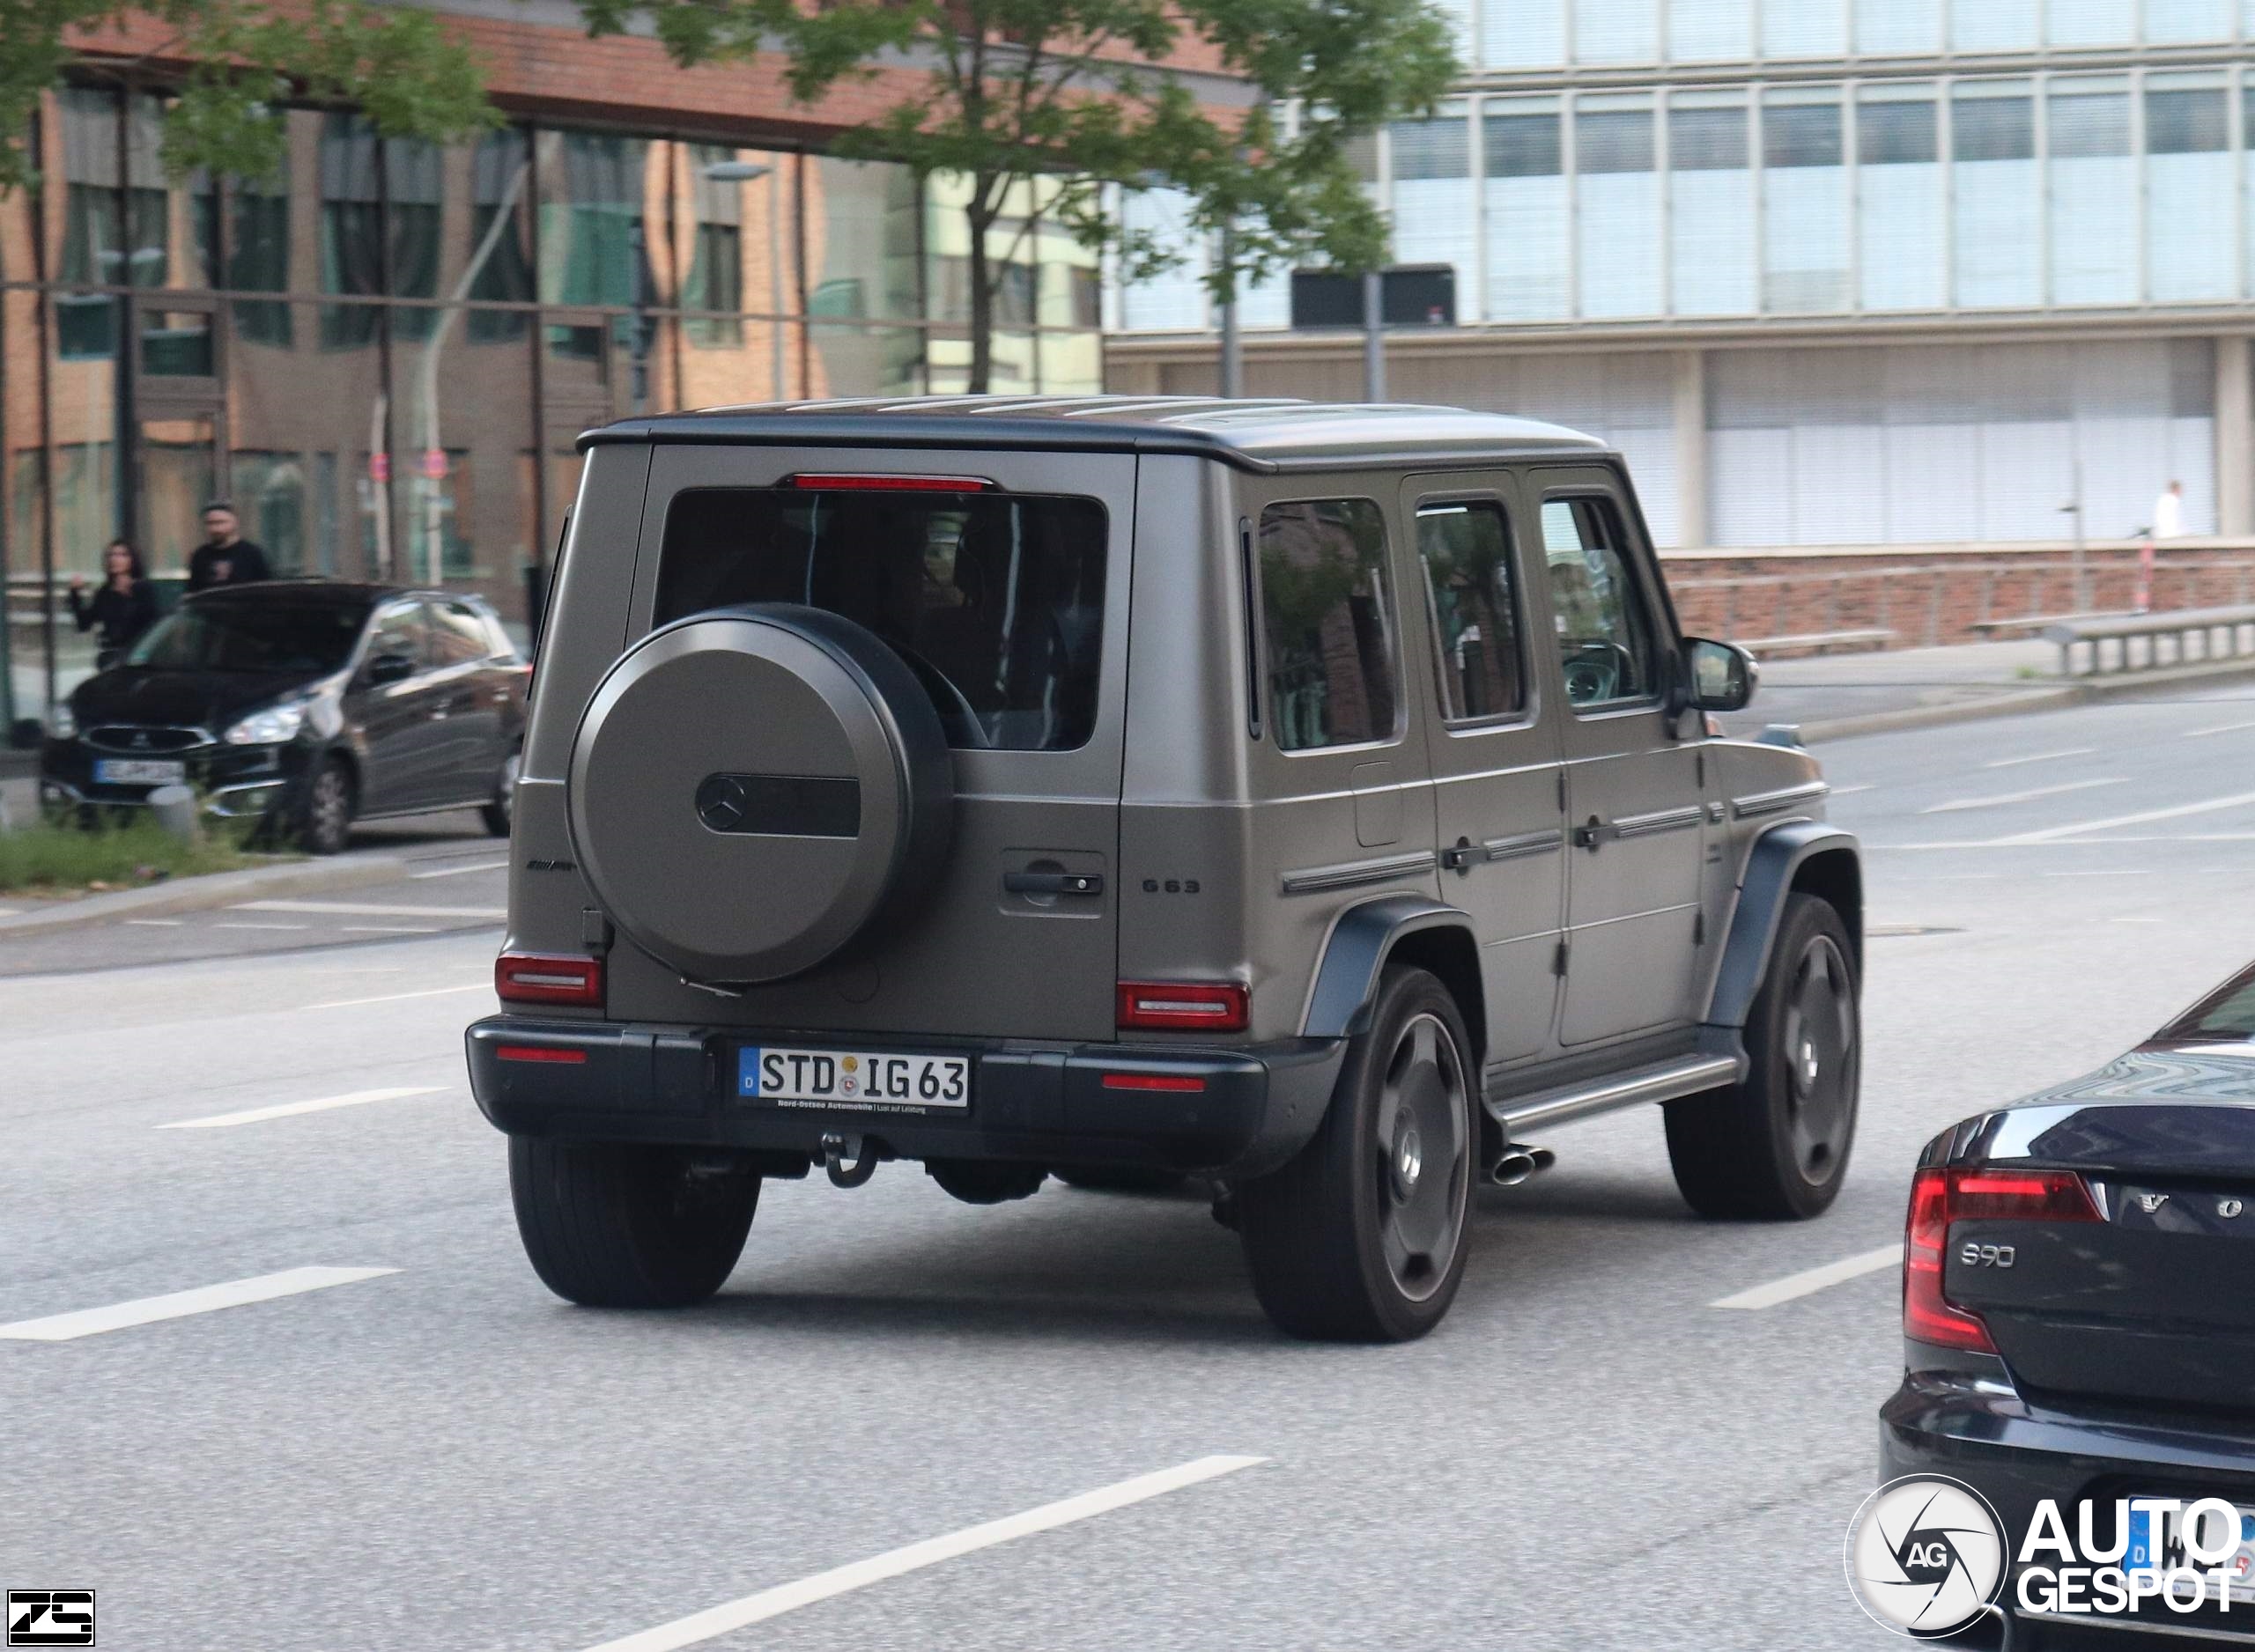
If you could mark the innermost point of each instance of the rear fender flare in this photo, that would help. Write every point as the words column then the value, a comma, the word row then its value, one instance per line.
column 1355, row 957
column 1787, row 856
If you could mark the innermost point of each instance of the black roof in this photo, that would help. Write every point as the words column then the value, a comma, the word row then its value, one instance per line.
column 1253, row 435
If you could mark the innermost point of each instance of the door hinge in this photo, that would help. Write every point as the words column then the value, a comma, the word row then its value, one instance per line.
column 1558, row 960
column 1562, row 791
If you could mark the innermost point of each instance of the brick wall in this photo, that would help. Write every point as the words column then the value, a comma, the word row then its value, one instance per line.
column 1938, row 595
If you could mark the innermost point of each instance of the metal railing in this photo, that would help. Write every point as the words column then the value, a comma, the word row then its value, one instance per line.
column 1915, row 602
column 2218, row 631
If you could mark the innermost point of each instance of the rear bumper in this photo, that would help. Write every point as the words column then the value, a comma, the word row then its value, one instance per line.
column 1256, row 1107
column 1973, row 1426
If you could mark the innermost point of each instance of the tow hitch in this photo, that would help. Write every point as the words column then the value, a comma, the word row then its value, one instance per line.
column 847, row 1159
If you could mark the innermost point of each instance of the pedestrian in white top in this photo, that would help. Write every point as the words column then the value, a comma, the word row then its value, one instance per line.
column 2169, row 512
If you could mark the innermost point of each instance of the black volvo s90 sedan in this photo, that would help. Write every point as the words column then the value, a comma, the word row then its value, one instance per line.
column 306, row 704
column 2079, row 1323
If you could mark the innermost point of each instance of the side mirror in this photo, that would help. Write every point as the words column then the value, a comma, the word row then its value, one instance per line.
column 388, row 668
column 1723, row 675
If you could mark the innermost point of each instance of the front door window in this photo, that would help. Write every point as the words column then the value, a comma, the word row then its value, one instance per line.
column 1605, row 637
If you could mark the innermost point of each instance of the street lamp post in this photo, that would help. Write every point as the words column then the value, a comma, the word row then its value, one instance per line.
column 1373, row 336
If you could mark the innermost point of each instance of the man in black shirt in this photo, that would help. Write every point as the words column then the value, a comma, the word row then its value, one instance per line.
column 226, row 557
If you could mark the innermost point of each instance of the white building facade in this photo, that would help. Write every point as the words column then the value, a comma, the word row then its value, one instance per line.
column 1831, row 272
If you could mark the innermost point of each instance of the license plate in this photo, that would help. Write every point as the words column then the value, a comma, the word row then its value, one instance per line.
column 2157, row 1542
column 138, row 771
column 886, row 1082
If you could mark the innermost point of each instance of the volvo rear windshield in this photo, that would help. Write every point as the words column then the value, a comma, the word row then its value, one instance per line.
column 995, row 600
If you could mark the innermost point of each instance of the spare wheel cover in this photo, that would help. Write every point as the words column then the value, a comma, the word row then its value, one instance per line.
column 752, row 787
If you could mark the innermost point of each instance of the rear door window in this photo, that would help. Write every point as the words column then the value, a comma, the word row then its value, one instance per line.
column 995, row 600
column 1327, row 625
column 1465, row 548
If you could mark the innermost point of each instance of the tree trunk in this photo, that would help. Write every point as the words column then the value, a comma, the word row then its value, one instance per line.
column 982, row 299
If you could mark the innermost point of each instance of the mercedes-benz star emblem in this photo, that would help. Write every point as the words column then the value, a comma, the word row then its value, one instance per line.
column 719, row 802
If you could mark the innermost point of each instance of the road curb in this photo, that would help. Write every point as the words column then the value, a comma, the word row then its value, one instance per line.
column 2090, row 691
column 200, row 893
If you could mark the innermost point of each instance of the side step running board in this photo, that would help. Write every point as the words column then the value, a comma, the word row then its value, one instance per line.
column 1661, row 1082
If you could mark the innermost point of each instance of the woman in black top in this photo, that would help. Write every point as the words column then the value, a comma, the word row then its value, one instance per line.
column 123, row 608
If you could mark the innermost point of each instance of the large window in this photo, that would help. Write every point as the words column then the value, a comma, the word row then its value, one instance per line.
column 1804, row 203
column 1327, row 623
column 995, row 601
column 2189, row 186
column 1710, row 242
column 1530, row 247
column 1905, row 263
column 1472, row 599
column 1618, row 207
column 2093, row 192
column 1997, row 195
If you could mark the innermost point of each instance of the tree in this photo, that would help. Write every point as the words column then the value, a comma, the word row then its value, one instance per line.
column 1046, row 107
column 240, row 59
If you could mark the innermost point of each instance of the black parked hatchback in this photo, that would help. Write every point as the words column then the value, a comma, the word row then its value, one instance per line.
column 306, row 704
column 2079, row 1319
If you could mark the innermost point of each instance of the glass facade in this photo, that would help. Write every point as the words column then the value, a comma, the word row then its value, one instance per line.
column 383, row 352
column 1863, row 194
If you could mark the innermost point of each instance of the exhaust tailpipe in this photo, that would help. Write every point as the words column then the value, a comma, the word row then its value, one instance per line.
column 1518, row 1163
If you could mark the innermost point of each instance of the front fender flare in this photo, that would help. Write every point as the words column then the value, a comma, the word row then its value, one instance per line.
column 1346, row 980
column 1777, row 856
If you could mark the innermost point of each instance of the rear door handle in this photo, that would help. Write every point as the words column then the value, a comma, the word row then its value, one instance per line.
column 1054, row 882
column 1592, row 834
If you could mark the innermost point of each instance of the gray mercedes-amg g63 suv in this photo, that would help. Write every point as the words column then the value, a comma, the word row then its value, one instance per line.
column 1314, row 800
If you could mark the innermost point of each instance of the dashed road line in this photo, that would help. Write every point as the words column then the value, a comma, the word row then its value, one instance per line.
column 1956, row 804
column 456, row 872
column 2076, row 829
column 371, row 909
column 155, row 922
column 1813, row 1279
column 89, row 1322
column 2040, row 756
column 2221, row 728
column 393, row 998
column 773, row 1602
column 291, row 1109
column 387, row 929
column 292, row 927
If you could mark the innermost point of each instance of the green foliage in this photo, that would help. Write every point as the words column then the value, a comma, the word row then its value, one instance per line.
column 399, row 63
column 56, row 858
column 1075, row 92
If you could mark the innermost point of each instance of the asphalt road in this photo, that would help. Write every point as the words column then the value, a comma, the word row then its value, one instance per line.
column 1586, row 1454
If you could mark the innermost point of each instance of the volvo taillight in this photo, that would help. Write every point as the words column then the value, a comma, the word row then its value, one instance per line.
column 1943, row 1195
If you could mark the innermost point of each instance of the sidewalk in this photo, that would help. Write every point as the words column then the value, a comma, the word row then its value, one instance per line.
column 1833, row 696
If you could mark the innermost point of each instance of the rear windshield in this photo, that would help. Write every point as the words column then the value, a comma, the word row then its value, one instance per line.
column 2226, row 1015
column 303, row 639
column 995, row 600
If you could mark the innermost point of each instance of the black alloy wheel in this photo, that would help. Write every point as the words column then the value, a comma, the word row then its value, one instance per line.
column 1362, row 1237
column 1775, row 1147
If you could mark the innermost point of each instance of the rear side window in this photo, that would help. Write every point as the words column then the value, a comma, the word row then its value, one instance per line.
column 1327, row 623
column 995, row 600
column 1466, row 551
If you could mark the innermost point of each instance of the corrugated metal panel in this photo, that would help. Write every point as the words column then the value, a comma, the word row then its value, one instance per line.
column 1709, row 29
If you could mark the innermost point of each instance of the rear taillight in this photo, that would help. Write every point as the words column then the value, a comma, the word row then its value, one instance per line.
column 1941, row 1195
column 548, row 977
column 1184, row 1006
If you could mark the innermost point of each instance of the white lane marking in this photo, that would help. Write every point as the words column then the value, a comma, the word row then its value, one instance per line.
column 1956, row 804
column 262, row 925
column 393, row 998
column 1814, row 1279
column 291, row 1109
column 2221, row 728
column 387, row 929
column 2076, row 829
column 1850, row 791
column 2102, row 872
column 89, row 1321
column 154, row 923
column 371, row 909
column 456, row 872
column 773, row 1602
column 2041, row 757
column 2137, row 921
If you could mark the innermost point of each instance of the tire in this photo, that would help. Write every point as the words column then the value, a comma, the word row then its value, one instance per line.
column 1118, row 1178
column 501, row 813
column 1775, row 1147
column 325, row 812
column 1362, row 1237
column 627, row 1225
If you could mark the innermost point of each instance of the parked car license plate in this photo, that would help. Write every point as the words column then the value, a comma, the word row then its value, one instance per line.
column 138, row 771
column 885, row 1082
column 2158, row 1551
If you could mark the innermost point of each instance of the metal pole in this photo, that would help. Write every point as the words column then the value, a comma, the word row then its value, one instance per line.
column 1373, row 336
column 1232, row 346
column 2082, row 573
